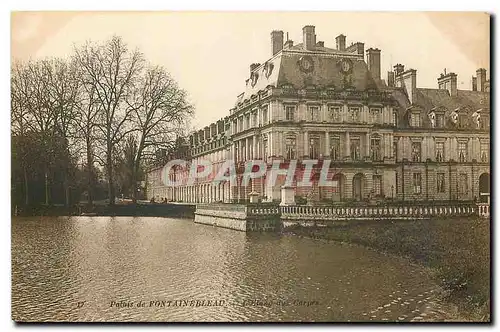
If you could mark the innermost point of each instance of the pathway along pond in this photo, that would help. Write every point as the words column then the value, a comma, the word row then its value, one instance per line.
column 102, row 268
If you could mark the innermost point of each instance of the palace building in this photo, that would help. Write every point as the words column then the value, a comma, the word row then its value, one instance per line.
column 386, row 139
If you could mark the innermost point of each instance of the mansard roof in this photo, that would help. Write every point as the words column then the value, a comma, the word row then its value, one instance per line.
column 440, row 98
column 326, row 72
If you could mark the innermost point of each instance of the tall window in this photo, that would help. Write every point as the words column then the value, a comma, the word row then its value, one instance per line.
column 463, row 120
column 440, row 182
column 314, row 147
column 255, row 123
column 484, row 121
column 395, row 118
column 376, row 115
column 314, row 113
column 376, row 149
column 440, row 151
column 439, row 120
column 484, row 152
column 247, row 121
column 240, row 124
column 417, row 183
column 355, row 115
column 264, row 147
column 335, row 113
column 265, row 119
column 377, row 185
column 415, row 119
column 335, row 147
column 462, row 152
column 291, row 145
column 416, row 151
column 463, row 184
column 290, row 113
column 395, row 150
column 355, row 148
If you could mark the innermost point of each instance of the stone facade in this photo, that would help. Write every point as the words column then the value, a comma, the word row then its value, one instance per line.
column 386, row 140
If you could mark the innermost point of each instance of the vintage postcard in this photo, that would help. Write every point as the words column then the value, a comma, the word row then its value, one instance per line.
column 250, row 167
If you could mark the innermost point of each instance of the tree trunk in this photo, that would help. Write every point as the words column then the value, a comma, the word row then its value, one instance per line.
column 111, row 184
column 90, row 187
column 46, row 188
column 135, row 171
column 26, row 186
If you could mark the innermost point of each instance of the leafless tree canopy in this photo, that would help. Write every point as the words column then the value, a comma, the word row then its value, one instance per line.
column 102, row 96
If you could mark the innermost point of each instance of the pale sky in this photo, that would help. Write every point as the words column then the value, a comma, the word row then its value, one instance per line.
column 209, row 53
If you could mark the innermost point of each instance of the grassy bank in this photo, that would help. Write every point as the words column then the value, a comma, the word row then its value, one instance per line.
column 457, row 250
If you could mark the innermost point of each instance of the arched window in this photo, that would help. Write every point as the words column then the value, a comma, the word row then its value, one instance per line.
column 376, row 149
column 290, row 146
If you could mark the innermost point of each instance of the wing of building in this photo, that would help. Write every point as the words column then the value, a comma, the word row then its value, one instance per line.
column 384, row 139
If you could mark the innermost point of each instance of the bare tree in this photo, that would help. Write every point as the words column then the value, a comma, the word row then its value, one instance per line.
column 111, row 70
column 161, row 114
column 63, row 88
column 87, row 111
column 20, row 96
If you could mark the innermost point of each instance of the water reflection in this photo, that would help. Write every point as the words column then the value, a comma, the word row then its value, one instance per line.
column 59, row 262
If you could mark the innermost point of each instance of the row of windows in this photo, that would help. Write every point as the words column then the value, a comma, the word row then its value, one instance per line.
column 210, row 146
column 437, row 120
column 335, row 148
column 416, row 151
column 335, row 114
column 462, row 183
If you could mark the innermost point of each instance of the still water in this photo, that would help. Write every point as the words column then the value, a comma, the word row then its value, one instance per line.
column 160, row 269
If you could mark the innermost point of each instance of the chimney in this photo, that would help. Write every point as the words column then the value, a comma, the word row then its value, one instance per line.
column 448, row 82
column 474, row 83
column 481, row 79
column 408, row 81
column 309, row 37
column 288, row 44
column 399, row 69
column 276, row 41
column 373, row 61
column 340, row 39
column 390, row 79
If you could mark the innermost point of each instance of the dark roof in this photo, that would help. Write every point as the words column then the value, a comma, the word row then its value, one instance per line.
column 326, row 73
column 431, row 98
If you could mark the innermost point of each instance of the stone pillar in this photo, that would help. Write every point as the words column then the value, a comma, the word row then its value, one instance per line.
column 287, row 196
column 367, row 145
column 306, row 144
column 247, row 150
column 254, row 141
column 347, row 145
column 327, row 144
column 270, row 145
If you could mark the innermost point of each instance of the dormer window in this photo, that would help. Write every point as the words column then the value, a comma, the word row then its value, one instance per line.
column 462, row 120
column 290, row 113
column 415, row 119
column 354, row 113
column 335, row 113
column 376, row 115
column 439, row 120
column 314, row 113
column 394, row 119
